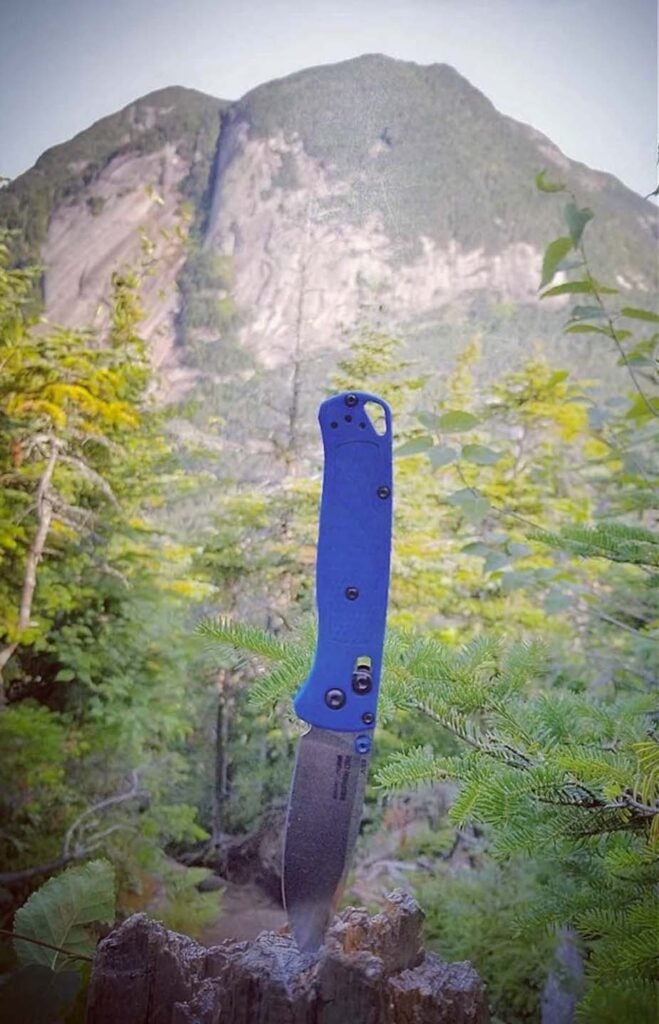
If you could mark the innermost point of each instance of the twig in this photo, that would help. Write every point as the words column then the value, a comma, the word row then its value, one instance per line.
column 622, row 625
column 613, row 333
column 47, row 945
column 110, row 801
column 629, row 801
column 10, row 878
column 74, row 847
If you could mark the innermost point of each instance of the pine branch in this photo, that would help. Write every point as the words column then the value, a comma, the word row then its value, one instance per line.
column 614, row 541
column 225, row 634
column 281, row 681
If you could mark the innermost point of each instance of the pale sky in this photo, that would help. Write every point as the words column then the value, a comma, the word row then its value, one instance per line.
column 584, row 72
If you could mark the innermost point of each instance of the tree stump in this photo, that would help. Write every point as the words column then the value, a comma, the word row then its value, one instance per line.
column 371, row 970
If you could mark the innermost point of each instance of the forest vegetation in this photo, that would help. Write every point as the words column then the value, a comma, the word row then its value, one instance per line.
column 148, row 658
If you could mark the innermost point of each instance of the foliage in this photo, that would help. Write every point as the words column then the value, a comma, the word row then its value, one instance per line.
column 208, row 318
column 598, row 317
column 474, row 915
column 39, row 749
column 62, row 913
column 94, row 598
column 523, row 506
column 65, row 914
column 562, row 776
column 553, row 743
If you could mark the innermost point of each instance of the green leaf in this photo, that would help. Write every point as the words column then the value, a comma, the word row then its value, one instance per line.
column 578, row 287
column 543, row 185
column 476, row 547
column 65, row 675
column 554, row 253
column 480, row 454
column 61, row 911
column 576, row 220
column 643, row 352
column 640, row 314
column 569, row 288
column 457, row 421
column 415, row 446
column 472, row 503
column 587, row 329
column 639, row 408
column 442, row 455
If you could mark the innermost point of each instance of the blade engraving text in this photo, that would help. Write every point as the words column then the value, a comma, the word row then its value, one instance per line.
column 341, row 776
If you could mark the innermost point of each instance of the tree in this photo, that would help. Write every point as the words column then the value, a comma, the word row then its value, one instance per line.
column 65, row 403
column 97, row 703
column 557, row 760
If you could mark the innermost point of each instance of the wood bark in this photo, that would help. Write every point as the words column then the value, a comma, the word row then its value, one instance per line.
column 44, row 518
column 371, row 970
column 221, row 766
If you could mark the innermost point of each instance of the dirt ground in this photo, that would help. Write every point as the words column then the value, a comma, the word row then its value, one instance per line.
column 245, row 912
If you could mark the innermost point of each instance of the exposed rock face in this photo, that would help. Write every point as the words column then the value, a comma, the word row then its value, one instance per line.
column 133, row 202
column 304, row 274
column 372, row 970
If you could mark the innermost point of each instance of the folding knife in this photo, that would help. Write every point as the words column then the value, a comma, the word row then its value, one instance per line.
column 339, row 698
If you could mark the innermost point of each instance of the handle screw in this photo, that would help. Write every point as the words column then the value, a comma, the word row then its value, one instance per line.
column 363, row 744
column 335, row 699
column 351, row 400
column 352, row 593
column 368, row 718
column 384, row 491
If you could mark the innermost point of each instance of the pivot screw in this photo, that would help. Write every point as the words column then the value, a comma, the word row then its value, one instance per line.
column 384, row 491
column 352, row 593
column 335, row 699
column 363, row 744
column 351, row 400
column 368, row 718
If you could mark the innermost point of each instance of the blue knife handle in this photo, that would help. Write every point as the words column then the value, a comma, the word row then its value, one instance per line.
column 352, row 565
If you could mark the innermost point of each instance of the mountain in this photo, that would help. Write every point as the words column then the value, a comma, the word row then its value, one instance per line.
column 88, row 205
column 381, row 185
column 373, row 192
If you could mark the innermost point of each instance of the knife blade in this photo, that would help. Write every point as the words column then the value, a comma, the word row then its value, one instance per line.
column 339, row 697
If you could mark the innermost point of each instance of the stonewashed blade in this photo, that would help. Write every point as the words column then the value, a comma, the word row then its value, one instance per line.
column 324, row 812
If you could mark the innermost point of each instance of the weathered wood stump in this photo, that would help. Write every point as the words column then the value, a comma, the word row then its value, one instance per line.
column 372, row 970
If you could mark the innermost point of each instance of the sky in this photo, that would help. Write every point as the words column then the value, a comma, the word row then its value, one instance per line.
column 584, row 72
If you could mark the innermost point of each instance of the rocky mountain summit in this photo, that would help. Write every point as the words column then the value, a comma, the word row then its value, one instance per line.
column 373, row 192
